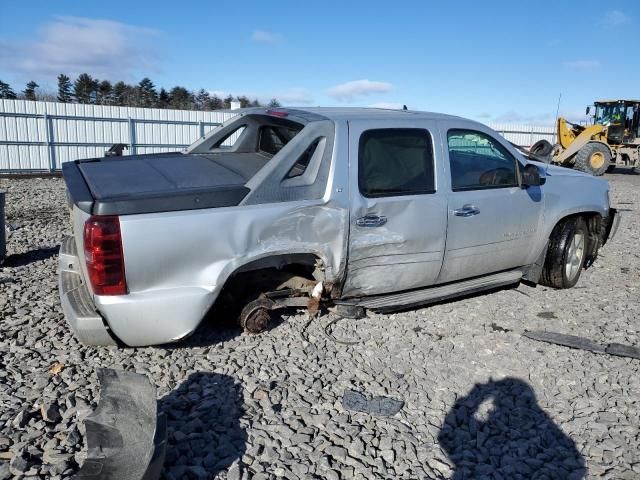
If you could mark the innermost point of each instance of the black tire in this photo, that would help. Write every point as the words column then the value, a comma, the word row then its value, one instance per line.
column 593, row 158
column 542, row 148
column 555, row 273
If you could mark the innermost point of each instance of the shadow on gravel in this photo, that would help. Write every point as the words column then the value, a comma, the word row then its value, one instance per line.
column 35, row 255
column 204, row 435
column 499, row 431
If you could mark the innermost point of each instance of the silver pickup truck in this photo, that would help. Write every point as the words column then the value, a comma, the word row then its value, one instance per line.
column 357, row 208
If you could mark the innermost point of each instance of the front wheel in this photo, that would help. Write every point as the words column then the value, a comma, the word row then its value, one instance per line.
column 593, row 158
column 566, row 254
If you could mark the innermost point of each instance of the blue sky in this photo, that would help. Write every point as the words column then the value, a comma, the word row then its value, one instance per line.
column 501, row 61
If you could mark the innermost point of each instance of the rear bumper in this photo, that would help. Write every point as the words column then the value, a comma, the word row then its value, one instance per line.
column 77, row 304
column 136, row 319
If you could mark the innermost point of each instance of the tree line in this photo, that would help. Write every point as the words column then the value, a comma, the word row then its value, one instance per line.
column 88, row 90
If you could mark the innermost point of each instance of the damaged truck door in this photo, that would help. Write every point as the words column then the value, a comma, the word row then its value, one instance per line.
column 397, row 238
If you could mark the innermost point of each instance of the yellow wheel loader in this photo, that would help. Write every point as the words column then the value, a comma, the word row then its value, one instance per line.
column 613, row 138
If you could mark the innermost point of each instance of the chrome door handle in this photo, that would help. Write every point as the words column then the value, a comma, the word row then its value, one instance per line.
column 466, row 211
column 371, row 221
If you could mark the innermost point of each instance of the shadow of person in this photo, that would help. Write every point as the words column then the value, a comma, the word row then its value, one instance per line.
column 35, row 255
column 499, row 431
column 204, row 435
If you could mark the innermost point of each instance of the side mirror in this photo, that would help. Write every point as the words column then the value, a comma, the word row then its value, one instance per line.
column 588, row 110
column 531, row 176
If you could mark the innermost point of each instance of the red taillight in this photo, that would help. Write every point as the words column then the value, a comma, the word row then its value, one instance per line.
column 278, row 113
column 103, row 254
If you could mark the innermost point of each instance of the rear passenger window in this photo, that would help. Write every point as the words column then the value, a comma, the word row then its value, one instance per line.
column 395, row 161
column 303, row 160
column 229, row 140
column 273, row 138
column 479, row 161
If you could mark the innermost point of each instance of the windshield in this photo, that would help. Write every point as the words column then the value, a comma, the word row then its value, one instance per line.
column 609, row 113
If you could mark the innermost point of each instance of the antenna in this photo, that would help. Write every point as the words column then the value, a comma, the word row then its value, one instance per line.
column 555, row 129
column 557, row 114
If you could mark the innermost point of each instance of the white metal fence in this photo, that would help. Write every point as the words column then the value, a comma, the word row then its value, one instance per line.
column 40, row 136
column 37, row 136
column 524, row 135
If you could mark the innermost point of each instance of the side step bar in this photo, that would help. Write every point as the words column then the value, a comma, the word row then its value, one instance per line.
column 415, row 298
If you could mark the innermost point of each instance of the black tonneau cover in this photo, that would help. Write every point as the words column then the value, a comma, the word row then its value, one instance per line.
column 160, row 182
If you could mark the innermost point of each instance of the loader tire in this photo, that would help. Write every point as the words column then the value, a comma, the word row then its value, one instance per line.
column 566, row 254
column 541, row 148
column 593, row 158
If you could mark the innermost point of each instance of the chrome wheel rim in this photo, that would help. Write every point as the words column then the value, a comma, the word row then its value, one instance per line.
column 574, row 256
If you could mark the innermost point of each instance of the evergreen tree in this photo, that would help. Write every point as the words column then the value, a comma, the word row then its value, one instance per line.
column 274, row 103
column 120, row 94
column 244, row 101
column 6, row 92
column 163, row 99
column 85, row 88
column 64, row 89
column 105, row 93
column 203, row 99
column 181, row 98
column 147, row 95
column 227, row 101
column 30, row 90
column 215, row 103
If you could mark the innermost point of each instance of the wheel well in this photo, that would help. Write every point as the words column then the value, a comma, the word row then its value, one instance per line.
column 595, row 227
column 300, row 263
column 296, row 272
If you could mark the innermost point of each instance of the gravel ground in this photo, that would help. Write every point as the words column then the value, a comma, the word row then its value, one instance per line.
column 480, row 401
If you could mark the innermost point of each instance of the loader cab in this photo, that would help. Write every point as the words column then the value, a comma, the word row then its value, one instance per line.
column 622, row 119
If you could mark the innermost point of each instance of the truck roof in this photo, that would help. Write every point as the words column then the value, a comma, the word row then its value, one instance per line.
column 347, row 113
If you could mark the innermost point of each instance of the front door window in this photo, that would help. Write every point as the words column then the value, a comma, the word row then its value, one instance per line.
column 479, row 162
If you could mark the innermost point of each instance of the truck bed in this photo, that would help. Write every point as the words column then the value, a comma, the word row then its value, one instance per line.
column 160, row 182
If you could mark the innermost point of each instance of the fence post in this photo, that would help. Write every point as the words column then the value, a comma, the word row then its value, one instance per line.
column 531, row 136
column 201, row 127
column 48, row 128
column 132, row 136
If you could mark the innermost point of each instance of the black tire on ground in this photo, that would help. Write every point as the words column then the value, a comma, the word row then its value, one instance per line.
column 542, row 148
column 563, row 251
column 593, row 158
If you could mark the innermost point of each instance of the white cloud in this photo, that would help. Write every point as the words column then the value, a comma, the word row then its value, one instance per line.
column 264, row 36
column 582, row 65
column 616, row 18
column 74, row 45
column 387, row 105
column 349, row 91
